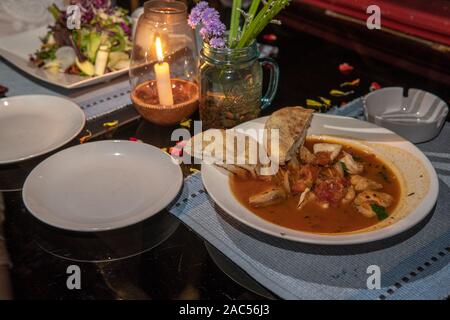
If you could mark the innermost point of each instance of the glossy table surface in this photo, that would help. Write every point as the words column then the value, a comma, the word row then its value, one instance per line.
column 141, row 261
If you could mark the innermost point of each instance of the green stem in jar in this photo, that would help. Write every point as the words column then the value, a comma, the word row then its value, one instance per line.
column 251, row 14
column 234, row 23
column 264, row 17
column 247, row 36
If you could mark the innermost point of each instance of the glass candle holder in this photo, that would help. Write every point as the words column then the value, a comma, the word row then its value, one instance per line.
column 164, row 64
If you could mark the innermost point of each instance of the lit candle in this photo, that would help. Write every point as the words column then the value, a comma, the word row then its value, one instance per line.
column 162, row 72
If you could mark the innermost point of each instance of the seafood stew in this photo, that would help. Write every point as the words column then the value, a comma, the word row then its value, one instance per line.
column 327, row 187
column 318, row 184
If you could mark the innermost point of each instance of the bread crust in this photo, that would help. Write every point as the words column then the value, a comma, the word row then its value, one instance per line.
column 292, row 123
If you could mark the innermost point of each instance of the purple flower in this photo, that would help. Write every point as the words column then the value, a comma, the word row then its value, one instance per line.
column 195, row 18
column 217, row 42
column 202, row 5
column 212, row 29
column 215, row 28
column 209, row 15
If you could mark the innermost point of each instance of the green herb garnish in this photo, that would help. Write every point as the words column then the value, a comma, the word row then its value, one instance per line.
column 383, row 175
column 380, row 211
column 48, row 53
column 344, row 167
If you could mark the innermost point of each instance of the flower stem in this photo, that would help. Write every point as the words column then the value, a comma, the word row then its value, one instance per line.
column 251, row 14
column 234, row 23
column 246, row 37
column 265, row 15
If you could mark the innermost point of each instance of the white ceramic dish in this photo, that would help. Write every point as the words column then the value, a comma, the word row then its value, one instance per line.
column 18, row 47
column 217, row 184
column 417, row 117
column 33, row 125
column 102, row 185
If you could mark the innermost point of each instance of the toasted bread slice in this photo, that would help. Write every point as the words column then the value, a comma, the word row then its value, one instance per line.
column 220, row 147
column 292, row 123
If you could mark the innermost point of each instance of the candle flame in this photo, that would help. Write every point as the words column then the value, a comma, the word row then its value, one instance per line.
column 159, row 51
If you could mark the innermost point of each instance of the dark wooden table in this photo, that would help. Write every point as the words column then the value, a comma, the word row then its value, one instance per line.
column 180, row 266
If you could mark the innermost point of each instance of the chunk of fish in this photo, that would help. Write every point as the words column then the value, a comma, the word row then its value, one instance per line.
column 331, row 172
column 293, row 168
column 339, row 169
column 332, row 148
column 353, row 167
column 362, row 184
column 349, row 196
column 267, row 197
column 286, row 184
column 306, row 156
column 282, row 179
column 365, row 199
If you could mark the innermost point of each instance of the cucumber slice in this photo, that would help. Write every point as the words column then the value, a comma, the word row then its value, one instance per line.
column 86, row 67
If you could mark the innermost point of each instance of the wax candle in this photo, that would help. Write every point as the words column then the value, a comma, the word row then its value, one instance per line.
column 162, row 72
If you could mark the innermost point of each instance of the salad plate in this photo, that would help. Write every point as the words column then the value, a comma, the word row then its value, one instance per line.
column 96, row 49
column 17, row 49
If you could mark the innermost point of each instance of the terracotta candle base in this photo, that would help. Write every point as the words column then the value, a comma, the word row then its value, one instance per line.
column 146, row 102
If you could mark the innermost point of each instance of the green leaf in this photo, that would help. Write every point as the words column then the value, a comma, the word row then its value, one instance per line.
column 83, row 40
column 344, row 167
column 92, row 45
column 119, row 43
column 48, row 53
column 380, row 211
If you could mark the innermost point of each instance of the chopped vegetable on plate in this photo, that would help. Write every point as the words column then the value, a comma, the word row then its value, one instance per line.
column 102, row 44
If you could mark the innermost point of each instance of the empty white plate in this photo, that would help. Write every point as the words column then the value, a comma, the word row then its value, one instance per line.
column 102, row 185
column 33, row 125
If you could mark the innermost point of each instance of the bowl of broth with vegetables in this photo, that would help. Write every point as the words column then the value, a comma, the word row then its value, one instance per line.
column 336, row 181
column 328, row 187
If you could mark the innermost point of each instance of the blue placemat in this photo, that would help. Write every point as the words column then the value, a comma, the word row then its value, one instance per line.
column 352, row 109
column 414, row 265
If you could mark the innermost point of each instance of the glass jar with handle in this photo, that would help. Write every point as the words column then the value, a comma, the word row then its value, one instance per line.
column 231, row 85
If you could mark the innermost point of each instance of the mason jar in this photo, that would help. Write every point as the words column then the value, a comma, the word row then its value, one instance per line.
column 231, row 85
